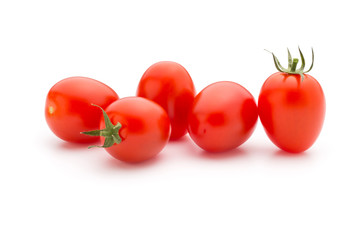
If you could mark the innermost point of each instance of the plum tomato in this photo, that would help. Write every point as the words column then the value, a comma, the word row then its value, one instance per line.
column 68, row 109
column 292, row 106
column 223, row 117
column 141, row 130
column 170, row 85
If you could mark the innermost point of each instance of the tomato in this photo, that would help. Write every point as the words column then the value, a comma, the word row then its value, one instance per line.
column 223, row 117
column 68, row 111
column 169, row 85
column 142, row 129
column 292, row 108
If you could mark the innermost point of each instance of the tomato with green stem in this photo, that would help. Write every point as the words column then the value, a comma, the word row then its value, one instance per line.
column 170, row 85
column 141, row 130
column 68, row 109
column 292, row 106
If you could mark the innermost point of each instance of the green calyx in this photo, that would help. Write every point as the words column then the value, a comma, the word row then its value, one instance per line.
column 292, row 64
column 110, row 132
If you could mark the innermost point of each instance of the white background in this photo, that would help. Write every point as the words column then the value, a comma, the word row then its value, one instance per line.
column 54, row 190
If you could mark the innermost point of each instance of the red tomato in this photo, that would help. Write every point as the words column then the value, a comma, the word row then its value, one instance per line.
column 292, row 108
column 223, row 117
column 169, row 85
column 68, row 111
column 143, row 129
column 292, row 111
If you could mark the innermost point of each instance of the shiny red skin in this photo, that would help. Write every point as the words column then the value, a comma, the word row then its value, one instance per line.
column 223, row 117
column 145, row 129
column 170, row 85
column 68, row 109
column 292, row 111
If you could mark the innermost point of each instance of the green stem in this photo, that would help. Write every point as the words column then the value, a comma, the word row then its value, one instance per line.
column 294, row 64
column 110, row 132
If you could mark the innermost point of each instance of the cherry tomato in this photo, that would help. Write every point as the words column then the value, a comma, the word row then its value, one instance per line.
column 68, row 111
column 223, row 117
column 292, row 108
column 169, row 85
column 142, row 129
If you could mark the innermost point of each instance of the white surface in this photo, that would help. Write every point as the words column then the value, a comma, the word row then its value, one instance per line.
column 54, row 190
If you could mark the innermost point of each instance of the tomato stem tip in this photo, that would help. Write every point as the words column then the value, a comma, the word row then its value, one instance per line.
column 110, row 132
column 292, row 64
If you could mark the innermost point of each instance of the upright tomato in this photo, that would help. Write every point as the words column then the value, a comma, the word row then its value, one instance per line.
column 68, row 109
column 223, row 116
column 169, row 85
column 292, row 106
column 142, row 129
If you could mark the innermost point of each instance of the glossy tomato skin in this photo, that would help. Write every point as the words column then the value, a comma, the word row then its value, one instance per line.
column 292, row 111
column 68, row 109
column 145, row 129
column 223, row 117
column 170, row 85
